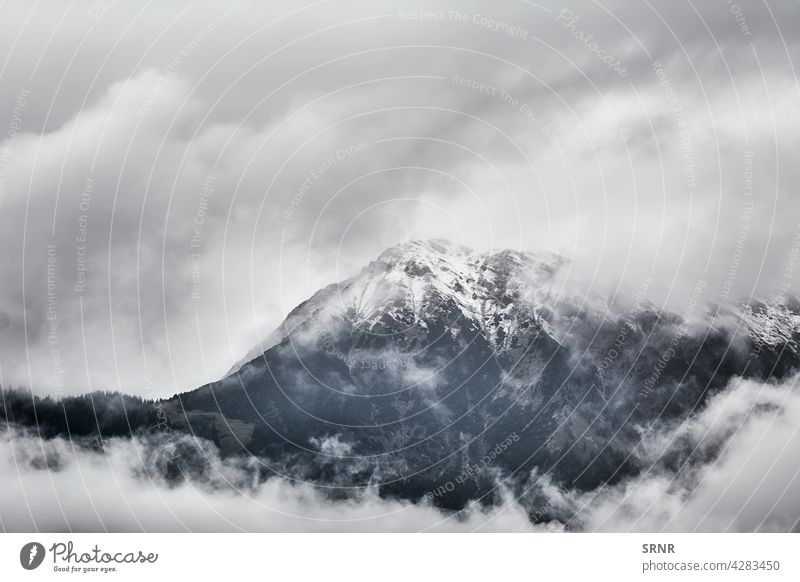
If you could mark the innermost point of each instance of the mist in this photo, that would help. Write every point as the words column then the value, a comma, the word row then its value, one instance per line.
column 731, row 467
column 176, row 178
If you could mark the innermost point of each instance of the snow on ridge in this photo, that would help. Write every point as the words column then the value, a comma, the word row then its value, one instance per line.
column 414, row 283
column 770, row 324
column 423, row 276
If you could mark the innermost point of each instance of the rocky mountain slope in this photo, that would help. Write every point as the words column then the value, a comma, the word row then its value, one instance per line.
column 444, row 373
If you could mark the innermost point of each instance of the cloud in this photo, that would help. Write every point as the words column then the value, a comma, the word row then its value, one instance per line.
column 731, row 467
column 124, row 489
column 318, row 125
column 735, row 466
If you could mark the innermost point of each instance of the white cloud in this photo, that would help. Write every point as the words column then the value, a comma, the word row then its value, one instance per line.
column 742, row 470
column 739, row 471
column 272, row 91
column 89, row 491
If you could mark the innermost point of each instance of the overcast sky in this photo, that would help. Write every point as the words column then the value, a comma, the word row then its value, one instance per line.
column 274, row 147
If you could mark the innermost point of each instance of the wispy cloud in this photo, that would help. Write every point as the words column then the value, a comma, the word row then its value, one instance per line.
column 733, row 467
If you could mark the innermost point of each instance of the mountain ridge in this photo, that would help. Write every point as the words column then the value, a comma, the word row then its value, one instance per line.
column 433, row 352
column 406, row 376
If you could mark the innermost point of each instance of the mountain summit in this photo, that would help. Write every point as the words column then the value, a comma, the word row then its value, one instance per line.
column 438, row 366
column 442, row 373
column 413, row 283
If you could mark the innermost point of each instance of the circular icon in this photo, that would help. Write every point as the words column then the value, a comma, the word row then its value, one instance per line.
column 31, row 555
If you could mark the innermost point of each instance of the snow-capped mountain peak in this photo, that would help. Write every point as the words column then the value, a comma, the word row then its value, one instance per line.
column 413, row 282
column 416, row 282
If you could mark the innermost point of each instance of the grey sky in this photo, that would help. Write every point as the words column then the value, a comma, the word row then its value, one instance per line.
column 171, row 123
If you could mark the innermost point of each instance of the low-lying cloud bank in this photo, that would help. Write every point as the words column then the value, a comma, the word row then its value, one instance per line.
column 739, row 470
column 735, row 466
column 126, row 489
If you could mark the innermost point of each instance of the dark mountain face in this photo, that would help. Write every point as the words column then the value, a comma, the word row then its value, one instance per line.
column 439, row 372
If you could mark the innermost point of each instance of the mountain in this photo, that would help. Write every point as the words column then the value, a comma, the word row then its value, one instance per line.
column 407, row 283
column 449, row 375
column 440, row 372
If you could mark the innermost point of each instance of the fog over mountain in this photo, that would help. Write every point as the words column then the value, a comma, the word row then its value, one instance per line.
column 338, row 265
column 452, row 387
column 755, row 487
column 223, row 161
